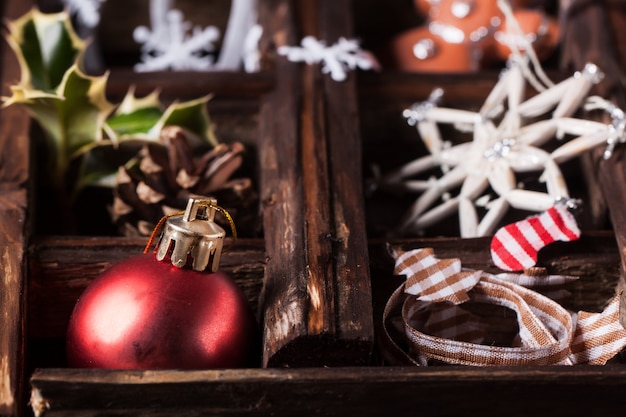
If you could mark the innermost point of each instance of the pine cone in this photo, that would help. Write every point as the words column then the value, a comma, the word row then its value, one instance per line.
column 162, row 177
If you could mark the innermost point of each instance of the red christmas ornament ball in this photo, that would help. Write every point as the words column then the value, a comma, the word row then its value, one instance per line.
column 146, row 314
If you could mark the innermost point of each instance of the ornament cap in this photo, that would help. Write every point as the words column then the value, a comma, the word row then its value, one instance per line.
column 193, row 237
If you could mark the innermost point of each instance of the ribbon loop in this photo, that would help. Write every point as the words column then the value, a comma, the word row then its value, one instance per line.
column 436, row 327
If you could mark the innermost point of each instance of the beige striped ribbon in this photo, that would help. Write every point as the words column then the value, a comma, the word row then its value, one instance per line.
column 436, row 328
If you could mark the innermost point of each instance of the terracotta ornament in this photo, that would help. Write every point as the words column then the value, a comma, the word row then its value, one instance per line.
column 467, row 35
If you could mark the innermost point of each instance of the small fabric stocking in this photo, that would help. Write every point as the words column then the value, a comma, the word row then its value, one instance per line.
column 515, row 246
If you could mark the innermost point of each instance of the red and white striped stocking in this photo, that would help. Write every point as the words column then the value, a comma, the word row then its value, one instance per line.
column 515, row 246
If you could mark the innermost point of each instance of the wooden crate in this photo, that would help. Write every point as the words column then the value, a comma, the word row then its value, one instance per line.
column 316, row 279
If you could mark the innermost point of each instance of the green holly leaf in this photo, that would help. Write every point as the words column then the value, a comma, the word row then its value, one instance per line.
column 72, row 118
column 46, row 46
column 135, row 116
column 143, row 119
column 191, row 115
column 70, row 106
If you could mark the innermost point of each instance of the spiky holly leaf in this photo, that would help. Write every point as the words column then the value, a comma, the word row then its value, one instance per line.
column 143, row 119
column 70, row 106
column 72, row 117
column 192, row 116
column 135, row 116
column 46, row 46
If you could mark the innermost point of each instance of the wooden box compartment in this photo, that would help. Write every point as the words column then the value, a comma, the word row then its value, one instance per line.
column 265, row 115
column 319, row 276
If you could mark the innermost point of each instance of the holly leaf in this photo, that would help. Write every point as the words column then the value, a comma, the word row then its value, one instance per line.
column 143, row 119
column 137, row 123
column 46, row 46
column 72, row 118
column 135, row 116
column 70, row 106
column 191, row 116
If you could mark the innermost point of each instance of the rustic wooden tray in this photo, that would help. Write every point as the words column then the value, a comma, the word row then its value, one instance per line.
column 316, row 279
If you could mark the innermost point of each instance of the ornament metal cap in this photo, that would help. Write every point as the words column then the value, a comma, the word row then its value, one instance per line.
column 193, row 236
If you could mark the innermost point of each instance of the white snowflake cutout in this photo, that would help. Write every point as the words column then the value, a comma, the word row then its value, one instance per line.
column 172, row 43
column 337, row 59
column 86, row 12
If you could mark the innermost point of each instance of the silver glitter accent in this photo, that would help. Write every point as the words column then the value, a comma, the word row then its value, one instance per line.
column 417, row 112
column 499, row 149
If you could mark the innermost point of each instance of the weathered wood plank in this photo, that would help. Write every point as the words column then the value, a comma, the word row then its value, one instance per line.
column 552, row 390
column 282, row 193
column 612, row 178
column 600, row 43
column 190, row 84
column 322, row 316
column 326, row 305
column 14, row 148
column 351, row 258
column 594, row 45
column 606, row 23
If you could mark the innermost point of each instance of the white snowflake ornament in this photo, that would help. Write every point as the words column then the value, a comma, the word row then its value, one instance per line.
column 86, row 12
column 167, row 43
column 336, row 60
column 503, row 144
column 507, row 135
column 172, row 43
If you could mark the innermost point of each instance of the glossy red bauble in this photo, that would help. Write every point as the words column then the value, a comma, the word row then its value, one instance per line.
column 146, row 314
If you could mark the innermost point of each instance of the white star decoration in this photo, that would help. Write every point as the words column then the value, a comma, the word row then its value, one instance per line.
column 502, row 146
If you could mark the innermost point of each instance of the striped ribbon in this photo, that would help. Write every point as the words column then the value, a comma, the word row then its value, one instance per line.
column 437, row 328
